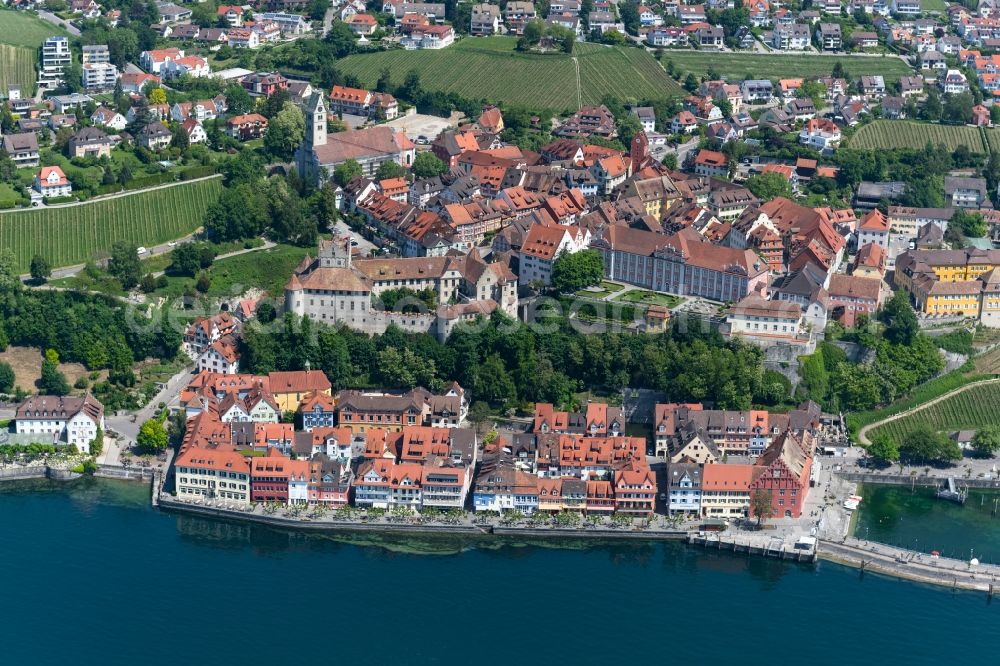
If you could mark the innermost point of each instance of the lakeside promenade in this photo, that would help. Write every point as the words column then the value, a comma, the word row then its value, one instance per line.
column 780, row 541
column 912, row 565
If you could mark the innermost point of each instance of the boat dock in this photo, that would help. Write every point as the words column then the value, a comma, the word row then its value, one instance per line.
column 802, row 549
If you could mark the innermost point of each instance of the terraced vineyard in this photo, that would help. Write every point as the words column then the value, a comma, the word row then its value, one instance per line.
column 993, row 139
column 974, row 408
column 76, row 234
column 890, row 134
column 737, row 66
column 489, row 68
column 625, row 73
column 17, row 67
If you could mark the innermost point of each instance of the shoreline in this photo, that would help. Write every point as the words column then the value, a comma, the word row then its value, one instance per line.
column 874, row 557
column 170, row 505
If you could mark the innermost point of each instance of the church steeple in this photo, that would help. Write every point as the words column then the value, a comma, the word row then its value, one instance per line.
column 316, row 120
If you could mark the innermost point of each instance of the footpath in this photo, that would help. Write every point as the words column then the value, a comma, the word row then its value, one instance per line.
column 911, row 565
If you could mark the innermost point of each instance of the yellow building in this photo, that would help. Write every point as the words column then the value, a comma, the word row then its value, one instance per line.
column 290, row 388
column 952, row 282
column 948, row 298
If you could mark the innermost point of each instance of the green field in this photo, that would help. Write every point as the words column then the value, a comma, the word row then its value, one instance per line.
column 933, row 5
column 17, row 67
column 890, row 134
column 972, row 409
column 21, row 34
column 780, row 66
column 489, row 68
column 77, row 234
column 24, row 29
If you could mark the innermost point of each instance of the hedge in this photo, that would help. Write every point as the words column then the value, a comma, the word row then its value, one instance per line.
column 192, row 173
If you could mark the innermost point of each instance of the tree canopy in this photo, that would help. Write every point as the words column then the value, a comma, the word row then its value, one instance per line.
column 574, row 271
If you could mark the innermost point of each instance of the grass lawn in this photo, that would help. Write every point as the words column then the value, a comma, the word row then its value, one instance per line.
column 644, row 297
column 890, row 134
column 523, row 79
column 607, row 288
column 933, row 5
column 24, row 29
column 77, row 234
column 781, row 66
column 7, row 193
column 263, row 269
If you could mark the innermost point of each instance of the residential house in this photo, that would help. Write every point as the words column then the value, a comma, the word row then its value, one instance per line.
column 962, row 192
column 821, row 134
column 543, row 245
column 634, row 491
column 154, row 136
column 851, row 296
column 725, row 491
column 90, row 142
column 765, row 322
column 362, row 24
column 52, row 182
column 360, row 102
column 828, row 35
column 874, row 228
column 663, row 37
column 684, row 489
column 22, row 149
column 106, row 117
column 213, row 473
column 954, row 83
column 246, row 127
column 97, row 77
column 485, row 19
column 756, row 91
column 221, row 357
column 291, row 388
column 794, row 37
column 710, row 163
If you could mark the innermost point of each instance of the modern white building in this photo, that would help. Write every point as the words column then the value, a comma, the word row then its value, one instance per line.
column 56, row 56
column 99, row 76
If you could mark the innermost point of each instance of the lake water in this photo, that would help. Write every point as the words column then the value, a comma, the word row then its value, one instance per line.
column 91, row 575
column 918, row 520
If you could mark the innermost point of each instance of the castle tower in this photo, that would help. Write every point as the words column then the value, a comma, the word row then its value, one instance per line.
column 639, row 151
column 335, row 253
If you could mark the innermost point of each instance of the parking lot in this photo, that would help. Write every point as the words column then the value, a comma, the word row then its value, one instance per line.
column 419, row 125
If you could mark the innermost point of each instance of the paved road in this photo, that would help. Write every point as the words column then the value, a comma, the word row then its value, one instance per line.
column 328, row 20
column 55, row 20
column 69, row 271
column 364, row 245
column 123, row 424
